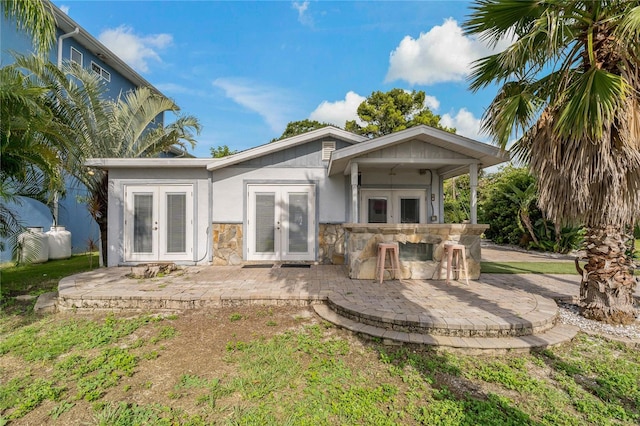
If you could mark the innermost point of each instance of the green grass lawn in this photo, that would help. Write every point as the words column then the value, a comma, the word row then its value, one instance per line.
column 43, row 277
column 105, row 371
column 528, row 268
column 550, row 267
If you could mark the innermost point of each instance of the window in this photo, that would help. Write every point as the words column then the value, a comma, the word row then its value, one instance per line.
column 377, row 210
column 409, row 210
column 393, row 206
column 76, row 56
column 106, row 75
column 327, row 148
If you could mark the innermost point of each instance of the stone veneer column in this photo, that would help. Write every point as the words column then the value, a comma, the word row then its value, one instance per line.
column 331, row 244
column 227, row 244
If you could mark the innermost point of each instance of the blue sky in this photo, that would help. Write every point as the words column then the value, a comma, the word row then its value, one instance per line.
column 246, row 69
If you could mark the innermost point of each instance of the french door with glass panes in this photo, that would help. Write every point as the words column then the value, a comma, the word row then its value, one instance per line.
column 393, row 206
column 281, row 222
column 158, row 223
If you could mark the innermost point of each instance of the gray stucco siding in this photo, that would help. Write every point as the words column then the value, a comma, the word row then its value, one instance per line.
column 305, row 155
column 198, row 178
column 229, row 190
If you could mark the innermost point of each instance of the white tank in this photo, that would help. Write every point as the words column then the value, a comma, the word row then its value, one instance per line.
column 34, row 245
column 59, row 243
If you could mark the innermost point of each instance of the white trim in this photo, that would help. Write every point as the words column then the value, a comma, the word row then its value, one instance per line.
column 485, row 155
column 283, row 223
column 393, row 197
column 280, row 145
column 98, row 69
column 159, row 218
column 72, row 50
column 327, row 148
column 142, row 163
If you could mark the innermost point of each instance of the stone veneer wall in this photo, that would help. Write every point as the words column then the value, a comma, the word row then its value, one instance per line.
column 227, row 244
column 331, row 244
column 363, row 239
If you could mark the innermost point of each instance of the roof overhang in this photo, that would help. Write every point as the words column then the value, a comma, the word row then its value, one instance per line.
column 474, row 152
column 147, row 163
column 67, row 25
column 269, row 148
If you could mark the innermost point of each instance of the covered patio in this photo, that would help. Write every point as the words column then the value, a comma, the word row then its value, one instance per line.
column 397, row 195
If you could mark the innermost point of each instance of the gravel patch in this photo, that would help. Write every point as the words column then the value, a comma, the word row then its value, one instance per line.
column 570, row 314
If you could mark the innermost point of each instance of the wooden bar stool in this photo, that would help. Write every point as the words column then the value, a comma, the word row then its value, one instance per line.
column 457, row 251
column 394, row 259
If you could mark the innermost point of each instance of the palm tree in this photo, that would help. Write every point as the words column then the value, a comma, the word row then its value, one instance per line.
column 570, row 81
column 31, row 146
column 36, row 18
column 103, row 128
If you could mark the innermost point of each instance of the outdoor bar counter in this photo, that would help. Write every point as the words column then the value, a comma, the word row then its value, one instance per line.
column 421, row 247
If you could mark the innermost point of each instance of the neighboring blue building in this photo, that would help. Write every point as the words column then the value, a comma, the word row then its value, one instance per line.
column 75, row 44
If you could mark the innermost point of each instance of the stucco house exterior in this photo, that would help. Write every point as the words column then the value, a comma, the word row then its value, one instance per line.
column 73, row 43
column 326, row 196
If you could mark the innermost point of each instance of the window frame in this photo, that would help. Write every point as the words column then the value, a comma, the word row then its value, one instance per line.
column 71, row 52
column 393, row 197
column 104, row 74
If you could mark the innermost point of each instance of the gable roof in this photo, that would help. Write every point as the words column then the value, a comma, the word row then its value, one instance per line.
column 477, row 152
column 89, row 42
column 280, row 145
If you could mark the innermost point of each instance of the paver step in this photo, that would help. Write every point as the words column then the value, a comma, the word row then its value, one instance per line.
column 558, row 334
column 537, row 321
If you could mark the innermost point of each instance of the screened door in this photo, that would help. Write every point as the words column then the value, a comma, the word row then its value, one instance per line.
column 159, row 223
column 281, row 222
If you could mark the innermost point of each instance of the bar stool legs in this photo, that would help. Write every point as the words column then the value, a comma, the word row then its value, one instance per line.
column 392, row 248
column 456, row 251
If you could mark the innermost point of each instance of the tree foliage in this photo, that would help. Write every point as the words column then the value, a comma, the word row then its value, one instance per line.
column 32, row 147
column 387, row 112
column 295, row 128
column 98, row 127
column 36, row 18
column 222, row 151
column 457, row 199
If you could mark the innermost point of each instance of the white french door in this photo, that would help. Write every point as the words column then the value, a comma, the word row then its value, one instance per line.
column 281, row 222
column 158, row 223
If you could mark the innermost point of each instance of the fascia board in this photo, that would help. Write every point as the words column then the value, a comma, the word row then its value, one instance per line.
column 486, row 154
column 141, row 163
column 272, row 147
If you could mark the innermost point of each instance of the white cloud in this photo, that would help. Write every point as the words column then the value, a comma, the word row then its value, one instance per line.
column 134, row 49
column 64, row 9
column 272, row 103
column 442, row 54
column 303, row 16
column 339, row 112
column 431, row 102
column 465, row 123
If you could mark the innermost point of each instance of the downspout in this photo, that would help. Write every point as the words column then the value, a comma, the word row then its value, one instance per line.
column 59, row 63
column 62, row 37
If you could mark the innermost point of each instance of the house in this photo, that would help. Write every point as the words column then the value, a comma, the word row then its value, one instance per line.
column 326, row 196
column 75, row 44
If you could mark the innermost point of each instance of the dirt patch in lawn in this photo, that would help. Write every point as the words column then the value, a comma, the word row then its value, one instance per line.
column 197, row 348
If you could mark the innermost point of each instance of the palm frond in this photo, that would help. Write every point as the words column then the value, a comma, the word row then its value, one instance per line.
column 36, row 18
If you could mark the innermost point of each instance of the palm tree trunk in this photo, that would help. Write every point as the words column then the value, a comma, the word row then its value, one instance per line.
column 527, row 223
column 606, row 291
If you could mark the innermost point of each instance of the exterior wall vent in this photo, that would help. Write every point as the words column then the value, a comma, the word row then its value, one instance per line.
column 327, row 148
